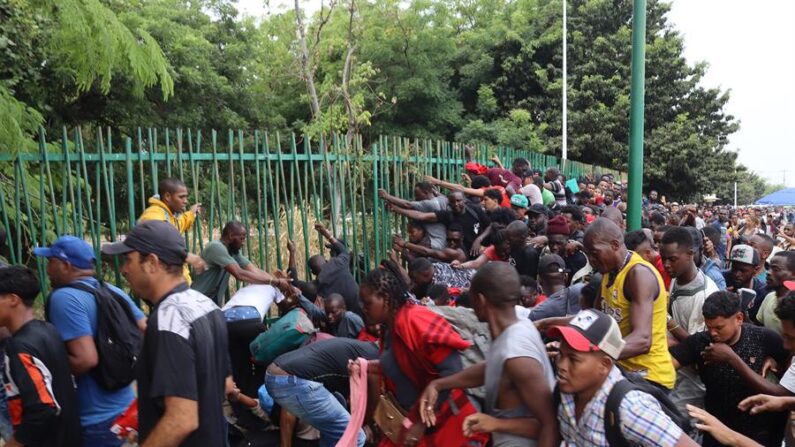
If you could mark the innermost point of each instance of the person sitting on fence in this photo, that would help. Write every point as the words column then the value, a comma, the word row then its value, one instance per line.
column 169, row 206
column 498, row 175
column 223, row 259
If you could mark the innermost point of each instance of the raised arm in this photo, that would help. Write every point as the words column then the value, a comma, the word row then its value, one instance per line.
column 454, row 186
column 325, row 233
column 473, row 264
column 292, row 269
column 397, row 201
column 253, row 276
column 446, row 255
column 413, row 214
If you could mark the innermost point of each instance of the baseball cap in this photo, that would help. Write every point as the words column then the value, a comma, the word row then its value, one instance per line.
column 744, row 254
column 537, row 209
column 591, row 331
column 152, row 236
column 519, row 200
column 551, row 263
column 476, row 168
column 69, row 249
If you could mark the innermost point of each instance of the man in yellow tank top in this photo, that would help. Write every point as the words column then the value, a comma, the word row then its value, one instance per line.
column 633, row 293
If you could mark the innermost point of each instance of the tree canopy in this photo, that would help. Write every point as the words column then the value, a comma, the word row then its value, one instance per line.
column 478, row 71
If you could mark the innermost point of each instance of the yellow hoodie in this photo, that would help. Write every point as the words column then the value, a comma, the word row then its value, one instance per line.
column 158, row 210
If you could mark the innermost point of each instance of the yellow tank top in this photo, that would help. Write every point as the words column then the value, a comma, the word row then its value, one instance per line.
column 655, row 365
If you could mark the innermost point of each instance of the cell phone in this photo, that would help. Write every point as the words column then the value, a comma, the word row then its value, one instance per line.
column 747, row 298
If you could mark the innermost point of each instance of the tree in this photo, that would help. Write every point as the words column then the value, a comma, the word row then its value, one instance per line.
column 72, row 46
column 516, row 52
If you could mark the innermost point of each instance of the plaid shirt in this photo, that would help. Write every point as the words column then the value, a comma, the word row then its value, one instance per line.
column 643, row 422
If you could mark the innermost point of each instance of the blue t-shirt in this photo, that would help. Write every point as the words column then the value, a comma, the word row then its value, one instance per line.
column 74, row 314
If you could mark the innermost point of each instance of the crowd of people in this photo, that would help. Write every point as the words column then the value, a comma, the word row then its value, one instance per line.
column 516, row 310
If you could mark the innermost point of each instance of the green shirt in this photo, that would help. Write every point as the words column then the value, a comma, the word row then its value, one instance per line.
column 547, row 197
column 214, row 281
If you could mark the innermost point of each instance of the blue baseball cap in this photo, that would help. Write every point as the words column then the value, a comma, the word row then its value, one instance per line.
column 69, row 249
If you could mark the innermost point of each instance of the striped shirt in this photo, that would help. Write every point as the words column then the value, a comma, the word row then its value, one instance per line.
column 643, row 422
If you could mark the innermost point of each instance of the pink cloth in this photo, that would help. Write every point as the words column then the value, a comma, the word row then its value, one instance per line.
column 358, row 406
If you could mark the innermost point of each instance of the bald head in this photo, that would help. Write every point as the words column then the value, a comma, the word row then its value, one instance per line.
column 614, row 215
column 604, row 245
column 606, row 230
column 499, row 283
column 517, row 232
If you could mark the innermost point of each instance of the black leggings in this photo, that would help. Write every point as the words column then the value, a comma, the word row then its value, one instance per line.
column 248, row 375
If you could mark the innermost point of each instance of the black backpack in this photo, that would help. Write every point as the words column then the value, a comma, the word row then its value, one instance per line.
column 118, row 339
column 612, row 417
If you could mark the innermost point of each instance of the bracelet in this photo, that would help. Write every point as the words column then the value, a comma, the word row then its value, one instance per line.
column 673, row 328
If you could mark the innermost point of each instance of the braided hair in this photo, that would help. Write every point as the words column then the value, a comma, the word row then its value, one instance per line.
column 386, row 280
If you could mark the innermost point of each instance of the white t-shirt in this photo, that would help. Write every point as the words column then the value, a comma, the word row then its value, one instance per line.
column 788, row 381
column 522, row 312
column 260, row 296
column 687, row 301
column 533, row 194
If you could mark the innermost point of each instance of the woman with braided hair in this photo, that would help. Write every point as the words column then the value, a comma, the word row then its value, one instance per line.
column 417, row 347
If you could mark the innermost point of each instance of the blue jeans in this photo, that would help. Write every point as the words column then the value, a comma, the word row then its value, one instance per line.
column 99, row 435
column 312, row 403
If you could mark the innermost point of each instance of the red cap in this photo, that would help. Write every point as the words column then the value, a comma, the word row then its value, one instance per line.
column 476, row 168
column 573, row 337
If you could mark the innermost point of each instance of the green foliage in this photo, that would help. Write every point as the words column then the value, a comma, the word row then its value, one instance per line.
column 480, row 71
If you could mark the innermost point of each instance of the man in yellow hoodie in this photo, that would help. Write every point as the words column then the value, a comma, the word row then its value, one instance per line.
column 169, row 206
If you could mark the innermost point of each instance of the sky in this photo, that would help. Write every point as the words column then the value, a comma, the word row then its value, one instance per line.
column 750, row 49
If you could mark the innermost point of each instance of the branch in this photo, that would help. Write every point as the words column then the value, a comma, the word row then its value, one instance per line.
column 323, row 22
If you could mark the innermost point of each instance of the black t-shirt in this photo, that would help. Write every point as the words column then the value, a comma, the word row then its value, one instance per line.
column 725, row 387
column 525, row 260
column 185, row 354
column 42, row 401
column 473, row 221
column 326, row 361
column 336, row 277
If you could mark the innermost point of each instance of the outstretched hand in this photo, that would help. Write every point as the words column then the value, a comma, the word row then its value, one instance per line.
column 762, row 403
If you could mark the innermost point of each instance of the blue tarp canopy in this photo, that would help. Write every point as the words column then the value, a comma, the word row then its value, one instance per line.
column 782, row 197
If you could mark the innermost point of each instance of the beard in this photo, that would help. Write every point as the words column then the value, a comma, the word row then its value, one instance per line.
column 233, row 250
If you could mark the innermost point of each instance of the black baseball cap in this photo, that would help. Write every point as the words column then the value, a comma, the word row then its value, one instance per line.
column 152, row 236
column 537, row 209
column 551, row 263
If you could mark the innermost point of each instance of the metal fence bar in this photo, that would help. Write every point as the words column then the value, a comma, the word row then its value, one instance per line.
column 261, row 184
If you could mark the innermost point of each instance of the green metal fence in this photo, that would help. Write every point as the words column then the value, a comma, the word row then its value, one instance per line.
column 278, row 185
